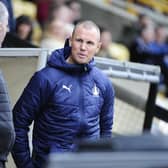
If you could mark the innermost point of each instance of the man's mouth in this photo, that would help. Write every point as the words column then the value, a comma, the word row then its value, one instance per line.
column 81, row 55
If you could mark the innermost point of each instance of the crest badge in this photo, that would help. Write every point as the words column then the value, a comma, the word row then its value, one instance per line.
column 95, row 91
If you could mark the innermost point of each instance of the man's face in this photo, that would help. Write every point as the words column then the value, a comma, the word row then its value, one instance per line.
column 3, row 30
column 85, row 44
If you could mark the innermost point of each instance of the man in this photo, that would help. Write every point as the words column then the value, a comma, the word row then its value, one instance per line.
column 68, row 99
column 7, row 134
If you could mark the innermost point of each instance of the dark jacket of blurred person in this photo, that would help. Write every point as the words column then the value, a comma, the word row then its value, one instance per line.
column 162, row 48
column 7, row 134
column 132, row 31
column 13, row 41
column 143, row 49
column 22, row 36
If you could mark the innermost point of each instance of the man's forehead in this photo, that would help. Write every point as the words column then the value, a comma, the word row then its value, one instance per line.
column 89, row 29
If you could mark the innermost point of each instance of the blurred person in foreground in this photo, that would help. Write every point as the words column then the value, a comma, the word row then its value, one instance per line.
column 69, row 99
column 7, row 134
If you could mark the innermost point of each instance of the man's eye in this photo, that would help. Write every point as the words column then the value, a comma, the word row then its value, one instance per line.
column 79, row 40
column 90, row 43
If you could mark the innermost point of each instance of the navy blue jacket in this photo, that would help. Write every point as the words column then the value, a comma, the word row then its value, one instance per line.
column 66, row 102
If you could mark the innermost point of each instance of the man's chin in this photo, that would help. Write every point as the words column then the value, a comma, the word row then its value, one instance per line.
column 82, row 61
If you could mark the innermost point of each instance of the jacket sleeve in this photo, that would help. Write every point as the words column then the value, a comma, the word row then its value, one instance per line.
column 106, row 115
column 24, row 112
column 7, row 134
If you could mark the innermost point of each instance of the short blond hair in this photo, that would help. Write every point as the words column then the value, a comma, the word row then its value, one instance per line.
column 88, row 24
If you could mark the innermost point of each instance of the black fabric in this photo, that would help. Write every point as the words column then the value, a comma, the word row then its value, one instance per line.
column 12, row 41
column 2, row 164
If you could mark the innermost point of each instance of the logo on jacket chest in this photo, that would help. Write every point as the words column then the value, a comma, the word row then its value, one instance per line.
column 95, row 91
column 68, row 88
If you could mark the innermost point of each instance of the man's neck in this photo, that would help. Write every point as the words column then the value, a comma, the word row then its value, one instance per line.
column 69, row 60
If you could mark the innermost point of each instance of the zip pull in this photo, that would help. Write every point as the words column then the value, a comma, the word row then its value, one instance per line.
column 85, row 68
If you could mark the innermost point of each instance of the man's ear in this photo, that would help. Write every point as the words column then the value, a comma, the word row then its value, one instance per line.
column 70, row 41
column 98, row 47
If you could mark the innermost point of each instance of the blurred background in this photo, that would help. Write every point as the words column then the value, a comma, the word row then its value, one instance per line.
column 131, row 30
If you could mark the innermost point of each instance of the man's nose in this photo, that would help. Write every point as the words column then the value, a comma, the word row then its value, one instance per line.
column 83, row 46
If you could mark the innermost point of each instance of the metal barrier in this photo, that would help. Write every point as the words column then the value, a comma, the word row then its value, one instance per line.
column 135, row 71
column 129, row 70
column 140, row 151
column 124, row 159
column 112, row 68
column 42, row 54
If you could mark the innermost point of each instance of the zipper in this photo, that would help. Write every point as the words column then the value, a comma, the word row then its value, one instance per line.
column 81, row 102
column 81, row 106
